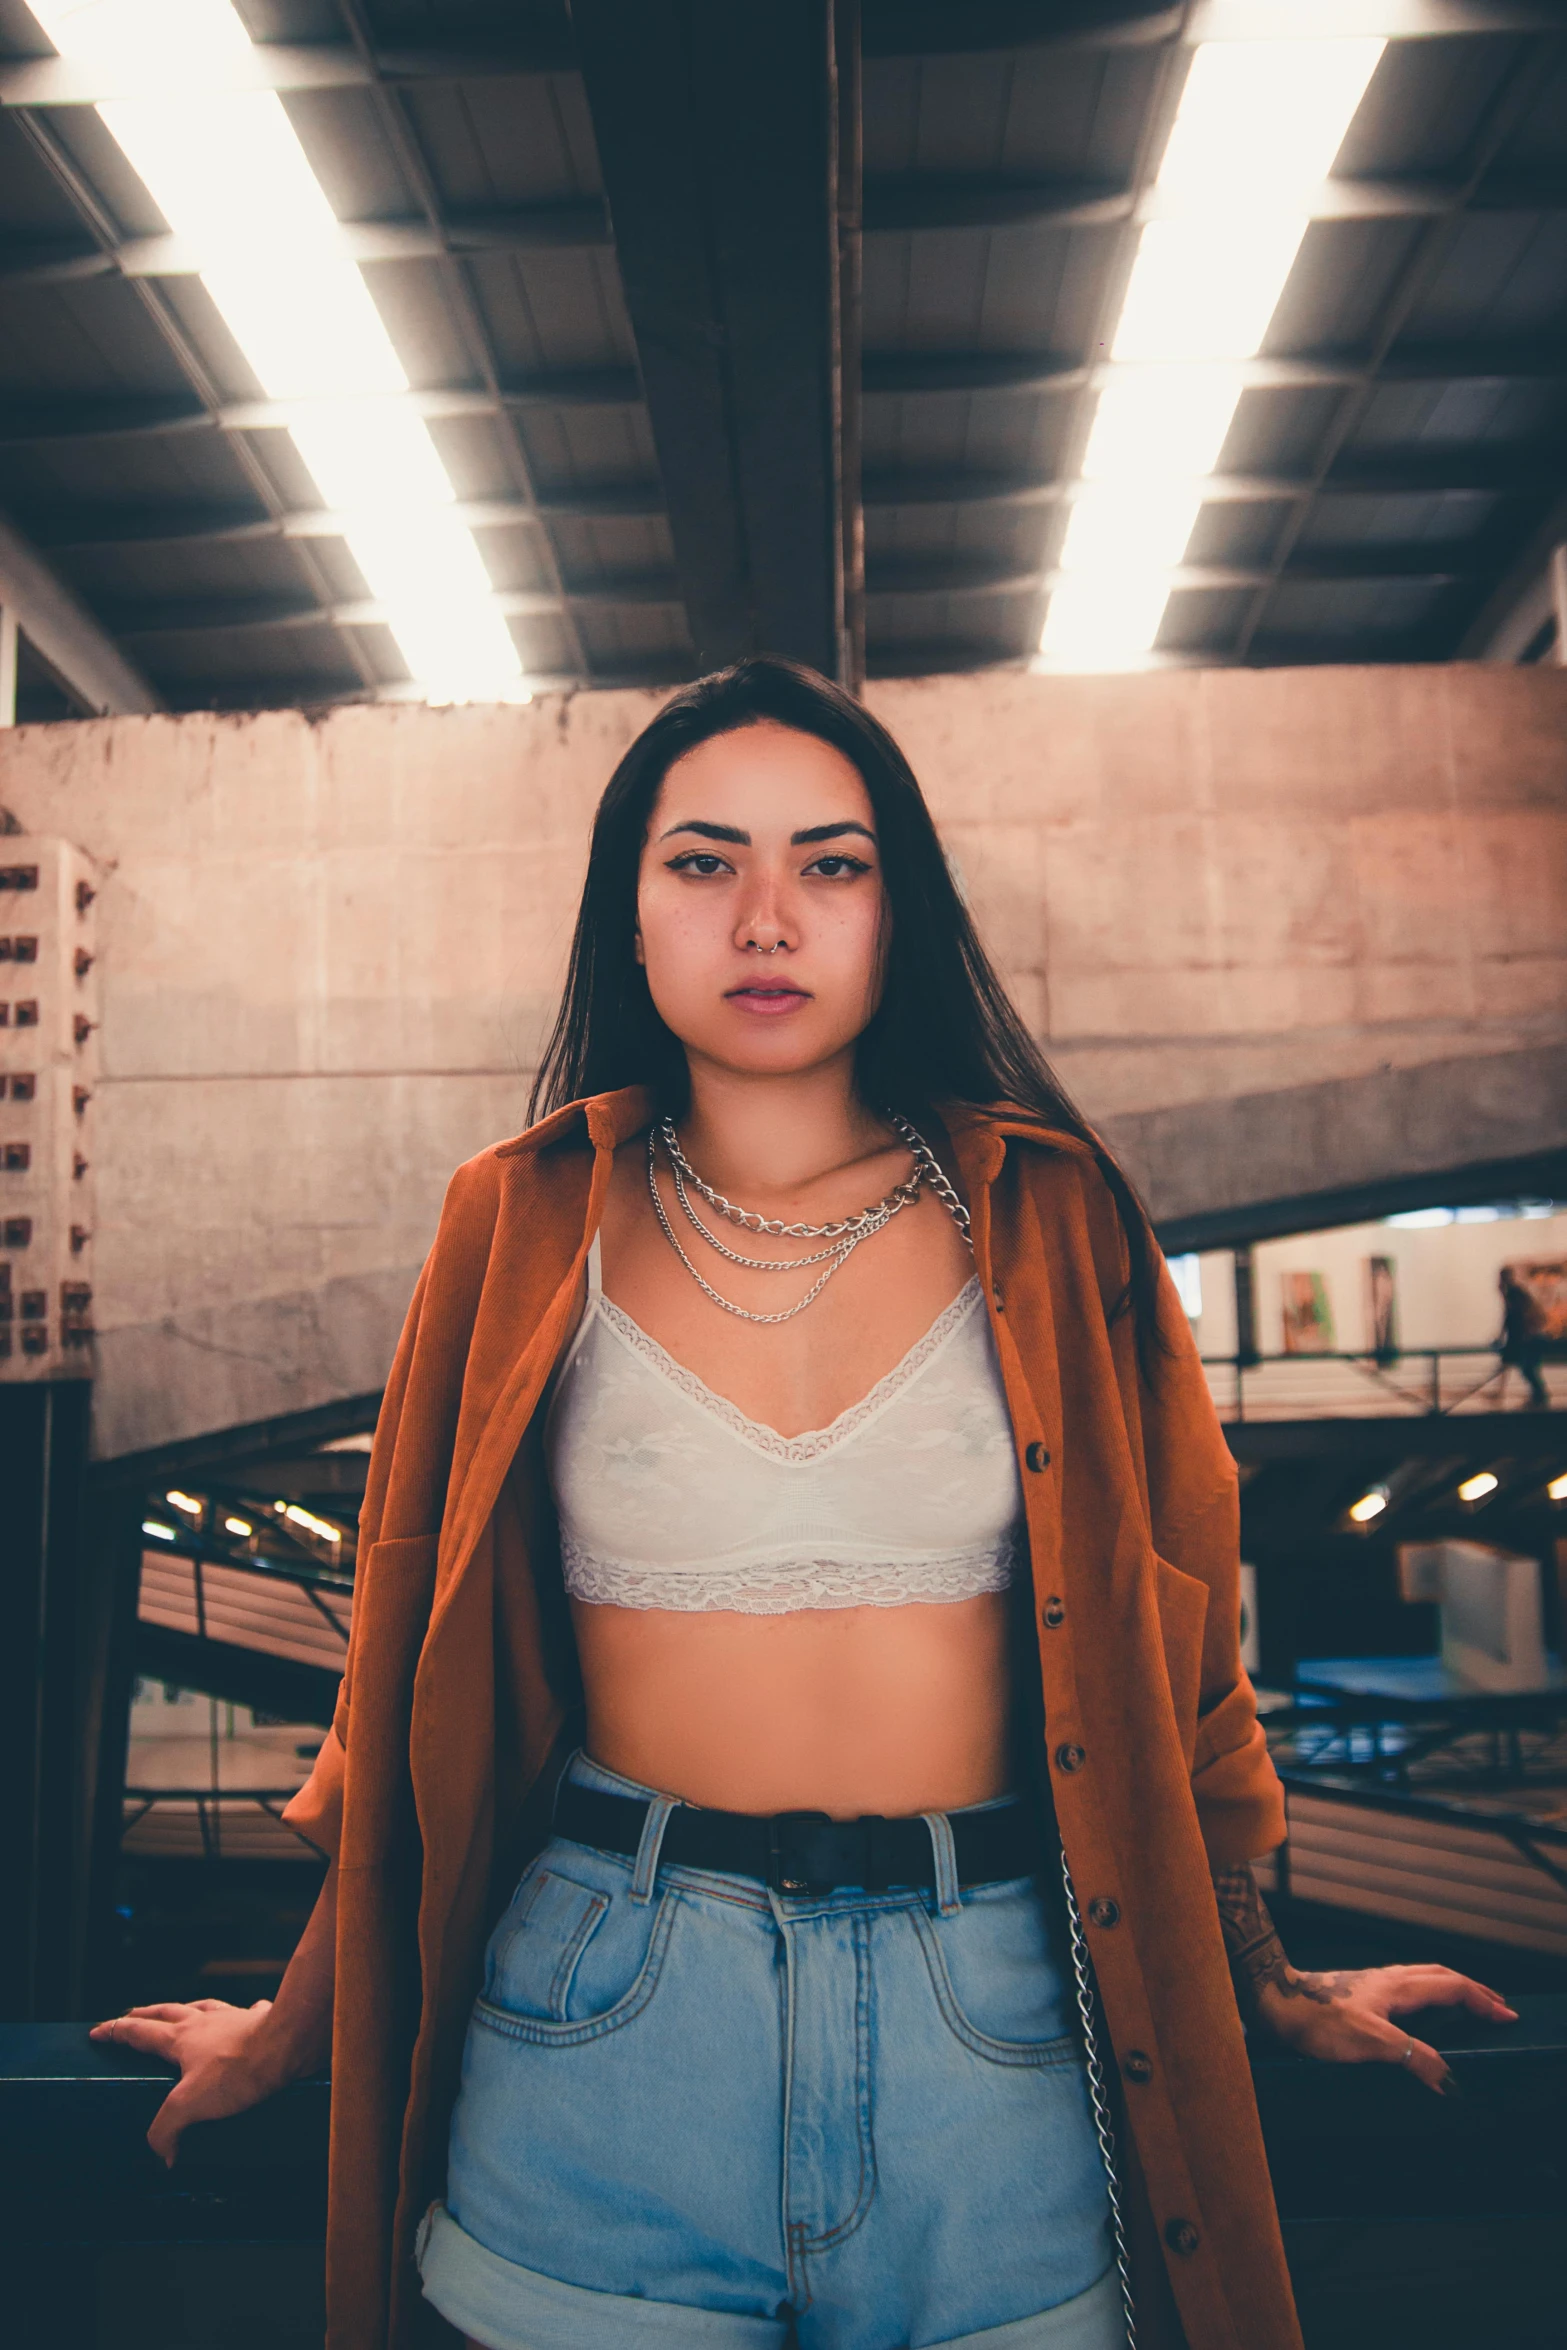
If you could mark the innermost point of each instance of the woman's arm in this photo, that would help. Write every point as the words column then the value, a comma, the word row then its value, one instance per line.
column 231, row 2057
column 1346, row 2017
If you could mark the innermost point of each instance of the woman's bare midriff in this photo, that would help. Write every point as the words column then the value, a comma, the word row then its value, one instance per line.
column 843, row 1710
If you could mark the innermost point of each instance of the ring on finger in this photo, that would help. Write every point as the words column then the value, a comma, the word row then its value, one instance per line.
column 1409, row 2050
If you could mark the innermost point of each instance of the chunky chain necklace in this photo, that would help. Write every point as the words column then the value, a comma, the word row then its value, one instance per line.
column 844, row 1234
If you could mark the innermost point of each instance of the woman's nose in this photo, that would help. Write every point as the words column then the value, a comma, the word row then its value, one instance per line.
column 765, row 926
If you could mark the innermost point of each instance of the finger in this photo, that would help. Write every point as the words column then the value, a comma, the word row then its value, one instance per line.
column 142, row 2034
column 167, row 2123
column 1441, row 1987
column 167, row 2011
column 1416, row 2057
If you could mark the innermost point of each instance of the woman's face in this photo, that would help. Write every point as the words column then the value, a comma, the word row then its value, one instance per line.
column 760, row 906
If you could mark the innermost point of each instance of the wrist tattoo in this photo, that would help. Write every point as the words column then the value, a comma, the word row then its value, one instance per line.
column 1256, row 1955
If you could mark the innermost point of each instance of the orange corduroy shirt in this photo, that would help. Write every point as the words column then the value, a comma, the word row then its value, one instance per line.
column 462, row 1695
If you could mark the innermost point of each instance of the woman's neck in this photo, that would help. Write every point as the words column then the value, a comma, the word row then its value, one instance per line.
column 776, row 1134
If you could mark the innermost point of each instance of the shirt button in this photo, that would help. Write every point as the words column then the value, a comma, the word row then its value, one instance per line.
column 1055, row 1613
column 1181, row 2237
column 1037, row 1457
column 1136, row 2066
column 1104, row 1912
column 1070, row 1758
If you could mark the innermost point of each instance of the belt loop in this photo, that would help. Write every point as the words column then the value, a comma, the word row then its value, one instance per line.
column 642, row 1876
column 945, row 1852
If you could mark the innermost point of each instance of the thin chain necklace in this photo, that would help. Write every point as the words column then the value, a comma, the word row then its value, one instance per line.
column 845, row 1233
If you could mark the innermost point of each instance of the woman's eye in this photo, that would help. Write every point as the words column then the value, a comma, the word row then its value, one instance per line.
column 700, row 861
column 836, row 867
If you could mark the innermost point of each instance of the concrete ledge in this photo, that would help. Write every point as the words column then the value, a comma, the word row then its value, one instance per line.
column 160, row 1382
column 1203, row 1168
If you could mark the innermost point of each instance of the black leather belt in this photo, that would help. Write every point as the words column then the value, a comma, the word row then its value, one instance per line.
column 806, row 1851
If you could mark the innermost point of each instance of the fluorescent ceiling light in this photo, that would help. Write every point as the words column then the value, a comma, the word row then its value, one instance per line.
column 163, row 1533
column 1557, row 1488
column 228, row 173
column 1477, row 1487
column 1369, row 1506
column 1259, row 124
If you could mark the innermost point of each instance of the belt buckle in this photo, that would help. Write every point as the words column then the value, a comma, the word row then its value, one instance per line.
column 776, row 1864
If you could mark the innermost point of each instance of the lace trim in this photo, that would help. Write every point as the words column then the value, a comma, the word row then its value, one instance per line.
column 783, row 1587
column 814, row 1442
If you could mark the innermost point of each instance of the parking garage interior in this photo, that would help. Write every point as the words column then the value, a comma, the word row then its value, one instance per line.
column 397, row 401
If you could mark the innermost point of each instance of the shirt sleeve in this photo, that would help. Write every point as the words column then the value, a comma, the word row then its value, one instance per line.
column 316, row 1812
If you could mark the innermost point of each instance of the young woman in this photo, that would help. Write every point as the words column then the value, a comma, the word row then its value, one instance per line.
column 797, row 1518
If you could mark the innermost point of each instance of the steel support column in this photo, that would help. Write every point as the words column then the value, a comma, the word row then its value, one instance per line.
column 724, row 157
column 49, row 1629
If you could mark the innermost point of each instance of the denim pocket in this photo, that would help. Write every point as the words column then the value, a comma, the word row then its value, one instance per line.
column 995, row 1977
column 571, row 1961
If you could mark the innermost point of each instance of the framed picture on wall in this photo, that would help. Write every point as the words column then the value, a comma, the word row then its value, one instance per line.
column 1308, row 1316
column 1382, row 1307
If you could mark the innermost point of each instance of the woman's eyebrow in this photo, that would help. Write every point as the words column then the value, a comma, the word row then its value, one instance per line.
column 798, row 840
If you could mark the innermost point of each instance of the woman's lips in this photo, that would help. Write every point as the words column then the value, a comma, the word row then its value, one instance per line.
column 770, row 1001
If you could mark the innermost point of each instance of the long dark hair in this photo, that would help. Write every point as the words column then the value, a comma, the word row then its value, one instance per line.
column 945, row 1028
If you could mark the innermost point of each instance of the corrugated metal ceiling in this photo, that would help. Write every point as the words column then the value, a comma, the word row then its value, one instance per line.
column 1377, row 510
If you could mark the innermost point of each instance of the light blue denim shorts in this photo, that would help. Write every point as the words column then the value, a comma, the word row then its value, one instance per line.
column 694, row 2111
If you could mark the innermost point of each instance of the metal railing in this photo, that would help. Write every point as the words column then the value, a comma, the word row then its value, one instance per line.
column 1415, row 1383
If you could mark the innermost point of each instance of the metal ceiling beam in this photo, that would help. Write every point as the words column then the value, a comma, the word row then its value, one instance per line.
column 726, row 217
column 941, row 576
column 294, row 67
column 527, row 228
column 77, row 528
column 204, row 617
column 1446, row 472
column 1395, row 20
column 895, row 28
column 65, row 634
column 930, row 200
column 896, row 373
column 903, row 28
column 140, row 417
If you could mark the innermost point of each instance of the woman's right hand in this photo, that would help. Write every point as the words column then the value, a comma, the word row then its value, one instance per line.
column 221, row 2053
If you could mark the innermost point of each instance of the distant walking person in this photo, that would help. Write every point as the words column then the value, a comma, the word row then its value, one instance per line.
column 1521, row 1345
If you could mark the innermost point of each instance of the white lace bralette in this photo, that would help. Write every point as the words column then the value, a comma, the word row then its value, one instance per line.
column 669, row 1497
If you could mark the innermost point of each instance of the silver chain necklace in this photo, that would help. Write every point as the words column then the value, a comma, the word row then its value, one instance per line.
column 846, row 1233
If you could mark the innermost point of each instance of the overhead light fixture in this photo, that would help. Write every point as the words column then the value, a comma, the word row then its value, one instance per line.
column 227, row 171
column 1557, row 1488
column 183, row 1501
column 239, row 1526
column 160, row 1532
column 1259, row 124
column 1477, row 1487
column 1369, row 1506
column 319, row 1527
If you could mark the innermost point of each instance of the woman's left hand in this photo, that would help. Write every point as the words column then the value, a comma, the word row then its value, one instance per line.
column 1351, row 2018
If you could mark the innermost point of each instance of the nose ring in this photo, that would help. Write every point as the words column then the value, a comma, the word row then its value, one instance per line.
column 761, row 950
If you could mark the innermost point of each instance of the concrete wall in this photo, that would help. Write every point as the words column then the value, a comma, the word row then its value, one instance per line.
column 1280, row 929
